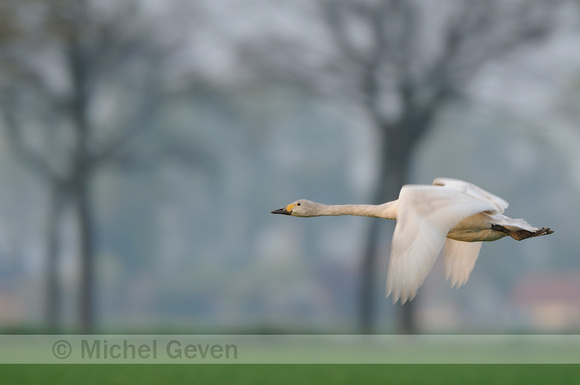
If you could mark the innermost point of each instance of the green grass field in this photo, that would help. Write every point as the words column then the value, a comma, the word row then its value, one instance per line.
column 289, row 374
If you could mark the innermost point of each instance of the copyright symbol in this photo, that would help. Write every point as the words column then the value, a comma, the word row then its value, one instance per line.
column 61, row 349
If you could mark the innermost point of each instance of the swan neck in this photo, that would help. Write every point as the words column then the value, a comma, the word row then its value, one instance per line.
column 385, row 210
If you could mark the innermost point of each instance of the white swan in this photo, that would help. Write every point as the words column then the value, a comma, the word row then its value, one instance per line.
column 452, row 215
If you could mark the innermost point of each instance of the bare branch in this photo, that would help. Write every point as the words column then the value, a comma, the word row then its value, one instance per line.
column 486, row 31
column 334, row 12
column 14, row 129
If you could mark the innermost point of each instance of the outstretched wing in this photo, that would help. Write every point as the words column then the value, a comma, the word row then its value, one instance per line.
column 459, row 259
column 425, row 214
column 473, row 191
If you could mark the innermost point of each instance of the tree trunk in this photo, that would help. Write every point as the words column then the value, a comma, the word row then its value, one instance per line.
column 394, row 158
column 83, row 211
column 53, row 300
column 80, row 65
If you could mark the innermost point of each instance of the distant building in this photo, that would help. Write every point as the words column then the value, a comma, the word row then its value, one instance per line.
column 549, row 302
column 11, row 312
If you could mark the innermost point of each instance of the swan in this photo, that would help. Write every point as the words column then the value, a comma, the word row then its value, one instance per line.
column 450, row 215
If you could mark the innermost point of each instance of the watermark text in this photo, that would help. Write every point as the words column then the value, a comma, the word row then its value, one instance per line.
column 143, row 349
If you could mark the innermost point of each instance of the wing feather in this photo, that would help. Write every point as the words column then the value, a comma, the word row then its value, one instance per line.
column 425, row 214
column 473, row 191
column 459, row 259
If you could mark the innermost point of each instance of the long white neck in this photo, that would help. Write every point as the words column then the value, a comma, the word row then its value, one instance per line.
column 386, row 210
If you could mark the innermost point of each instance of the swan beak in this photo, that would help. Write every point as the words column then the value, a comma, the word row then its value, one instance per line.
column 281, row 211
column 284, row 210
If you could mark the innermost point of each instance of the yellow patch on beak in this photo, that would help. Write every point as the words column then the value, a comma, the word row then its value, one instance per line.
column 290, row 207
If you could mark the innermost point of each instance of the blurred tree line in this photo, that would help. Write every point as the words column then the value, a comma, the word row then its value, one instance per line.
column 83, row 80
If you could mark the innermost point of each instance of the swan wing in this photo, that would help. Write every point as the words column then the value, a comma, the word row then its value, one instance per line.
column 425, row 214
column 459, row 259
column 473, row 191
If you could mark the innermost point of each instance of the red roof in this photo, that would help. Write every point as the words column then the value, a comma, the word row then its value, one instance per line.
column 547, row 287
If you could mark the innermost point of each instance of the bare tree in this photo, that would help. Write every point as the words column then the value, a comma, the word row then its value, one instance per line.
column 56, row 68
column 401, row 61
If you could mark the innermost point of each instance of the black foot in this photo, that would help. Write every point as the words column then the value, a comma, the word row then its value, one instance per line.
column 522, row 234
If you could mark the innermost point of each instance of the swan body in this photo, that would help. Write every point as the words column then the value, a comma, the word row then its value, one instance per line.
column 450, row 216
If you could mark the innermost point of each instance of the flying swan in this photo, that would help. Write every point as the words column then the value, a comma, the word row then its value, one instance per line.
column 452, row 215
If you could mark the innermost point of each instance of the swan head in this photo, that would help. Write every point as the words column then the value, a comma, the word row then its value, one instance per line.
column 299, row 208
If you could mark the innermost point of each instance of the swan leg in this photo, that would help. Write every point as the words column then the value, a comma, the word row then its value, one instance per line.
column 521, row 234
